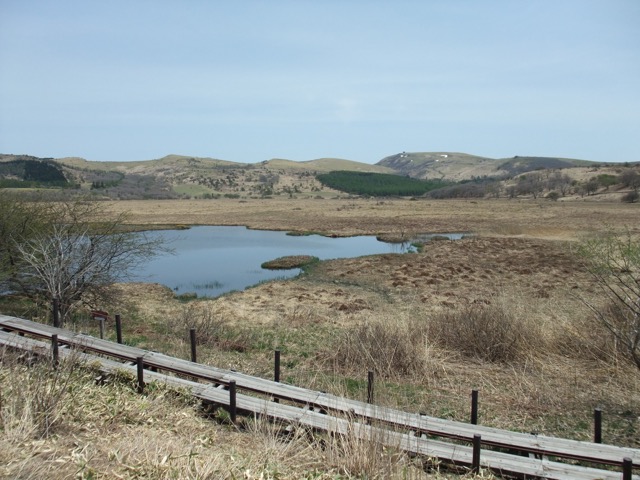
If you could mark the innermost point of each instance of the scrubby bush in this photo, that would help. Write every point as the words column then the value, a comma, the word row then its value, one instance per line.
column 630, row 178
column 389, row 348
column 211, row 329
column 414, row 347
column 485, row 332
column 553, row 195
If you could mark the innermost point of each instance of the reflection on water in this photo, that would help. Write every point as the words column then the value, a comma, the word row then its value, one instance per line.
column 211, row 261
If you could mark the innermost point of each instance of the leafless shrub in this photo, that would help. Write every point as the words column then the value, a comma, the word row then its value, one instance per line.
column 387, row 349
column 631, row 197
column 613, row 260
column 211, row 329
column 209, row 326
column 490, row 333
column 586, row 339
column 624, row 322
column 391, row 347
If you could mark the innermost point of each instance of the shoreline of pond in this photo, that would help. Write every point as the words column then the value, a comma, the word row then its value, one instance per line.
column 391, row 238
column 211, row 260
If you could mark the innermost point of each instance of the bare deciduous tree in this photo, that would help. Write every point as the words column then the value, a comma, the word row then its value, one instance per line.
column 19, row 219
column 630, row 178
column 614, row 262
column 79, row 254
column 561, row 182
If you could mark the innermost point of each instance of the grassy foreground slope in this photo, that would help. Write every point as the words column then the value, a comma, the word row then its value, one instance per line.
column 62, row 424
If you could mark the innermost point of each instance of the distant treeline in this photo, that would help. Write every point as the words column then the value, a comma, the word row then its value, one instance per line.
column 31, row 173
column 378, row 184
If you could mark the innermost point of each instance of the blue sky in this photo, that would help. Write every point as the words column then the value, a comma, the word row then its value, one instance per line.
column 252, row 80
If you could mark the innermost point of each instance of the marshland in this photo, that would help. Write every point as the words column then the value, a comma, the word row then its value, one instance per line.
column 505, row 311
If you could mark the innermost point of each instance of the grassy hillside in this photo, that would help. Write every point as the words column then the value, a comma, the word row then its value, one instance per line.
column 169, row 161
column 442, row 165
column 461, row 166
column 180, row 176
column 517, row 164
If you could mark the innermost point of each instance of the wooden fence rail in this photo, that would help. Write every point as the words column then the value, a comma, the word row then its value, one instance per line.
column 410, row 432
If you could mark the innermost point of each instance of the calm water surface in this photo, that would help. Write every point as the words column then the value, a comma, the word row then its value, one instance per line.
column 211, row 261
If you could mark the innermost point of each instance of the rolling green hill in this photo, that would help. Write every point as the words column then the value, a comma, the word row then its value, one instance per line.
column 182, row 176
column 462, row 166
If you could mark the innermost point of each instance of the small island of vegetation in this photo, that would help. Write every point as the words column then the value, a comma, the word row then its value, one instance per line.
column 289, row 262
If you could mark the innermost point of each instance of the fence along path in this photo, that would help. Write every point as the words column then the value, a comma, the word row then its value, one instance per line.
column 346, row 415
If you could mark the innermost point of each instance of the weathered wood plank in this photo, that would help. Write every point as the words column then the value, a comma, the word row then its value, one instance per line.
column 308, row 417
column 538, row 444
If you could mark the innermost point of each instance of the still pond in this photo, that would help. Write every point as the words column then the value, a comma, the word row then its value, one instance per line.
column 210, row 261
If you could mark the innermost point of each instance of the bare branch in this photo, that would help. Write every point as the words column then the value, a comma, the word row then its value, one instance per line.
column 613, row 260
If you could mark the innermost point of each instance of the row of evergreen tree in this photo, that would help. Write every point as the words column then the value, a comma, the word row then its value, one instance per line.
column 378, row 184
column 31, row 173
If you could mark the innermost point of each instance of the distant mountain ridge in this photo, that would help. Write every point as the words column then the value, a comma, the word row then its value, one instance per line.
column 442, row 165
column 179, row 176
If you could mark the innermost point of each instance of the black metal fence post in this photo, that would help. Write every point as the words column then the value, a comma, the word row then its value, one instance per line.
column 370, row 387
column 475, row 462
column 276, row 370
column 118, row 329
column 232, row 401
column 101, row 322
column 54, row 350
column 276, row 366
column 192, row 337
column 474, row 407
column 627, row 468
column 140, row 365
column 597, row 426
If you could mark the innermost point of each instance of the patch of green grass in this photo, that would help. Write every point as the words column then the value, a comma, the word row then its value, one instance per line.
column 355, row 386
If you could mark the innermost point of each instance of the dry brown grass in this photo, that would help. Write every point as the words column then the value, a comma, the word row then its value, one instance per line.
column 487, row 333
column 106, row 430
column 389, row 313
column 536, row 219
column 390, row 347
